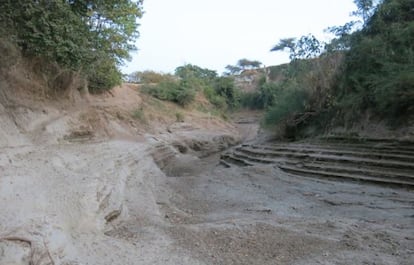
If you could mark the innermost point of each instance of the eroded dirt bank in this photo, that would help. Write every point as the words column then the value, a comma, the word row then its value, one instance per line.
column 161, row 197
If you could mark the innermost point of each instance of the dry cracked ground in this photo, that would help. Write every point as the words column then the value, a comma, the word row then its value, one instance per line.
column 167, row 199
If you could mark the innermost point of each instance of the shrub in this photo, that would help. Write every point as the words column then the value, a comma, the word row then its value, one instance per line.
column 139, row 114
column 264, row 97
column 379, row 64
column 289, row 103
column 172, row 91
column 215, row 99
column 225, row 87
column 149, row 77
column 103, row 76
column 179, row 117
column 251, row 100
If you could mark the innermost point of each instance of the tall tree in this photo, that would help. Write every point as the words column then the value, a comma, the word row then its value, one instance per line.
column 233, row 69
column 303, row 48
column 81, row 35
column 248, row 64
column 365, row 9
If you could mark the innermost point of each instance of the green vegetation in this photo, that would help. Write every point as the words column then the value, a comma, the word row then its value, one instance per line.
column 242, row 65
column 175, row 91
column 190, row 79
column 379, row 67
column 89, row 37
column 149, row 77
column 139, row 114
column 368, row 69
column 179, row 117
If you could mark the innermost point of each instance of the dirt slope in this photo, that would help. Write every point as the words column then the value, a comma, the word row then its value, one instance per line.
column 72, row 167
column 115, row 179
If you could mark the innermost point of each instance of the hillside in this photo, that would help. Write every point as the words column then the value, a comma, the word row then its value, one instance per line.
column 310, row 162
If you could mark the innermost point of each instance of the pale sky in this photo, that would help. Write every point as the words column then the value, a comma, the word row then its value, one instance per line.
column 215, row 33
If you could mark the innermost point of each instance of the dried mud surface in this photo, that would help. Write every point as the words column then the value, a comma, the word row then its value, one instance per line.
column 163, row 198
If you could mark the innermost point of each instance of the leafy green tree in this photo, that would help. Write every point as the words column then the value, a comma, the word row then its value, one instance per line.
column 104, row 75
column 303, row 48
column 283, row 44
column 379, row 66
column 343, row 36
column 226, row 88
column 233, row 70
column 77, row 34
column 248, row 64
column 149, row 77
column 365, row 9
column 193, row 71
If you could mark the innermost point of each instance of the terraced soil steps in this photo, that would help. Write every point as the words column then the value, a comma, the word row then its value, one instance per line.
column 363, row 150
column 344, row 176
column 383, row 163
column 356, row 140
column 328, row 158
column 236, row 160
column 376, row 172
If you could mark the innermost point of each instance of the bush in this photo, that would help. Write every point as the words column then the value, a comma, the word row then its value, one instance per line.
column 251, row 100
column 264, row 97
column 104, row 75
column 172, row 91
column 149, row 77
column 215, row 99
column 179, row 117
column 139, row 114
column 379, row 65
column 225, row 88
column 289, row 103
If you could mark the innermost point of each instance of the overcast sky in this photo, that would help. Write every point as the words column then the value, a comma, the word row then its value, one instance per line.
column 215, row 33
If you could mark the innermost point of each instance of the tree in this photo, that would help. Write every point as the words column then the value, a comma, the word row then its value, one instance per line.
column 303, row 48
column 379, row 66
column 248, row 64
column 365, row 9
column 233, row 70
column 308, row 47
column 225, row 87
column 343, row 35
column 77, row 34
column 193, row 71
column 287, row 43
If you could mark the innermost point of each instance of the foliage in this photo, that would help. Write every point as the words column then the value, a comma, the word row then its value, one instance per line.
column 290, row 102
column 149, row 77
column 188, row 80
column 179, row 117
column 78, row 35
column 225, row 88
column 190, row 71
column 233, row 70
column 343, row 37
column 365, row 9
column 248, row 64
column 103, row 75
column 303, row 48
column 174, row 91
column 242, row 65
column 222, row 93
column 139, row 114
column 217, row 100
column 365, row 70
column 379, row 66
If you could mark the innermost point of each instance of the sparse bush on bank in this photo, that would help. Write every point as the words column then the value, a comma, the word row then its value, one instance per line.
column 172, row 91
column 190, row 79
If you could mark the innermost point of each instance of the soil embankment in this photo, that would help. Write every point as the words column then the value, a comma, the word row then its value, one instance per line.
column 90, row 183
